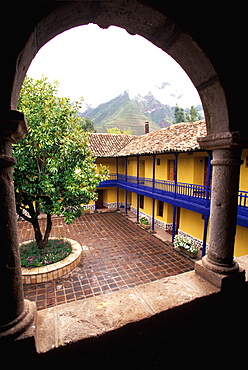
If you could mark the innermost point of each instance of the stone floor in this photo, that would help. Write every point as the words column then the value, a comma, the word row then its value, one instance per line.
column 117, row 255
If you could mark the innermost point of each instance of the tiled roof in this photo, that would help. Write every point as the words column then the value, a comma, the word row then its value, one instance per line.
column 108, row 145
column 180, row 137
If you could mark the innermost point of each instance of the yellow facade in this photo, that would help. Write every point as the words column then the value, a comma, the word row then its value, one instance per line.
column 243, row 182
column 191, row 223
column 241, row 241
column 191, row 169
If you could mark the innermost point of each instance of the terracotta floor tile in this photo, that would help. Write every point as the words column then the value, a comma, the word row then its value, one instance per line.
column 119, row 255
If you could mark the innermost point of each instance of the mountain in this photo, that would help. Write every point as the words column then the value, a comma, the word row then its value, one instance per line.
column 162, row 114
column 124, row 113
column 120, row 112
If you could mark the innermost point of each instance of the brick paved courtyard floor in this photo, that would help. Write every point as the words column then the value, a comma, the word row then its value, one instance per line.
column 118, row 255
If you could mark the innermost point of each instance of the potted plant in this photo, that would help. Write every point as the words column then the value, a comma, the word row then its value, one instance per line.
column 86, row 211
column 186, row 245
column 144, row 223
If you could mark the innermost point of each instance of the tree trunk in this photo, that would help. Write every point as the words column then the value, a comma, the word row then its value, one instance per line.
column 42, row 242
column 37, row 232
column 48, row 229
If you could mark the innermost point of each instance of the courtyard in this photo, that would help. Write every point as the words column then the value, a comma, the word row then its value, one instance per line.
column 117, row 254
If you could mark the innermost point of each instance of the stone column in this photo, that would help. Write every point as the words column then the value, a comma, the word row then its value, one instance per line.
column 16, row 314
column 218, row 266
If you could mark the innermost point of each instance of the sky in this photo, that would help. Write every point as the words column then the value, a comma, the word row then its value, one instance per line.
column 100, row 64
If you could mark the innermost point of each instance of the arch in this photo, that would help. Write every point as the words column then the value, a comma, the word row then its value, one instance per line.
column 140, row 19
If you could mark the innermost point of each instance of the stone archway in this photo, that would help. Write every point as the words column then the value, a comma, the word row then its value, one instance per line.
column 136, row 19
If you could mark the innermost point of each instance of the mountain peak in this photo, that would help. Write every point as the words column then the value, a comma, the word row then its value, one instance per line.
column 124, row 113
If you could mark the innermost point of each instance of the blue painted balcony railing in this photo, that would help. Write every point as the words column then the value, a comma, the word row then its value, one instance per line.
column 190, row 196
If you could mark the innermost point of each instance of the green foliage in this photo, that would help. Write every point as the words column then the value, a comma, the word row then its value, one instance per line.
column 193, row 115
column 87, row 125
column 55, row 171
column 144, row 221
column 115, row 130
column 56, row 250
column 179, row 115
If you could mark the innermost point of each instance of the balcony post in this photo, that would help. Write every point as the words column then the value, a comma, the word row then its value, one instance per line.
column 174, row 223
column 153, row 171
column 205, row 230
column 137, row 169
column 137, row 214
column 218, row 266
column 209, row 171
column 175, row 174
column 16, row 314
column 117, row 188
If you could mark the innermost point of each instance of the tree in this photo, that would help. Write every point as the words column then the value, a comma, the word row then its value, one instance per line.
column 87, row 125
column 179, row 115
column 55, row 171
column 115, row 130
column 193, row 115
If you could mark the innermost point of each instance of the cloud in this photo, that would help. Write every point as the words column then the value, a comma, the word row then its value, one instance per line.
column 163, row 85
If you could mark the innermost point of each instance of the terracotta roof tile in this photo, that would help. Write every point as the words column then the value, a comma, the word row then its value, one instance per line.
column 180, row 137
column 108, row 145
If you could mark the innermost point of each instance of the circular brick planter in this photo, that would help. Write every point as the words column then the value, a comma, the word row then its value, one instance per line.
column 54, row 270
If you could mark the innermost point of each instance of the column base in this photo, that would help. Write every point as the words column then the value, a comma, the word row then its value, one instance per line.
column 220, row 277
column 20, row 325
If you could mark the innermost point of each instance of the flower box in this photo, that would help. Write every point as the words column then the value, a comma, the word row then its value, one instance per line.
column 186, row 245
column 143, row 226
column 188, row 253
column 144, row 223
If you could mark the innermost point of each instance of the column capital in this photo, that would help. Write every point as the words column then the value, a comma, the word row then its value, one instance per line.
column 13, row 125
column 223, row 140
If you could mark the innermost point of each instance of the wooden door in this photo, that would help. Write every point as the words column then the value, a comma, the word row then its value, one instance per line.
column 99, row 202
column 171, row 164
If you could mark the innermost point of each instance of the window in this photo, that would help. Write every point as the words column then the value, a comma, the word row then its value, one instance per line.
column 160, row 208
column 141, row 201
column 158, row 162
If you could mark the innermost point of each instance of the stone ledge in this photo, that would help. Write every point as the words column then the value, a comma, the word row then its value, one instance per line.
column 89, row 318
column 54, row 270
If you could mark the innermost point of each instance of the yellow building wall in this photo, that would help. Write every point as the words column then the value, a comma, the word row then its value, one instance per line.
column 109, row 195
column 121, row 166
column 185, row 171
column 243, row 182
column 132, row 166
column 241, row 241
column 109, row 162
column 167, row 212
column 191, row 223
column 147, row 206
column 121, row 195
column 199, row 165
column 145, row 166
column 191, row 168
column 162, row 171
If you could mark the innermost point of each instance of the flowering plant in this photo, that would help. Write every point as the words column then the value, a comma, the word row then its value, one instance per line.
column 144, row 221
column 185, row 243
column 56, row 250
